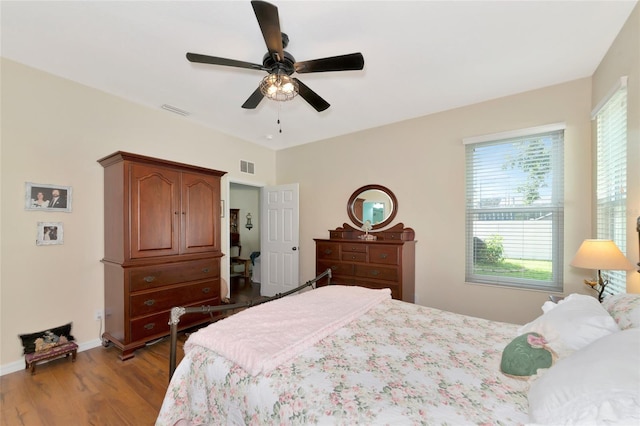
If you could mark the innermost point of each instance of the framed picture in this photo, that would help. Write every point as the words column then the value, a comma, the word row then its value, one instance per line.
column 50, row 233
column 44, row 197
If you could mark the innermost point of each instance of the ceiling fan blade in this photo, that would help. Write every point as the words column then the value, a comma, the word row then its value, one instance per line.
column 213, row 60
column 269, row 21
column 253, row 100
column 350, row 62
column 312, row 97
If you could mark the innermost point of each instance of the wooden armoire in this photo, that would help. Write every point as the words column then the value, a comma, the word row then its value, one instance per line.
column 162, row 246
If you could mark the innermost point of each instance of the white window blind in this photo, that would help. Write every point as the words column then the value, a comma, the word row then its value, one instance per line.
column 611, row 179
column 514, row 209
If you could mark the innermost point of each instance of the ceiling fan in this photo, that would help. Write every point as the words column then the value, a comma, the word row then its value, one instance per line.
column 280, row 64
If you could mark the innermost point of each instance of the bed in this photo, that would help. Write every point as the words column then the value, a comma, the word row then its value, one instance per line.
column 356, row 356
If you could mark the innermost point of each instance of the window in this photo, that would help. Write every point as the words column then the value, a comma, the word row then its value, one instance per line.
column 611, row 177
column 514, row 209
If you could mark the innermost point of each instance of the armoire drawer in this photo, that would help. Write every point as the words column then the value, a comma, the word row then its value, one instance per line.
column 377, row 272
column 146, row 277
column 387, row 255
column 144, row 327
column 149, row 302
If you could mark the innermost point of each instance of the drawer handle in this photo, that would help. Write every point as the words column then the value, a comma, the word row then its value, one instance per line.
column 328, row 251
column 150, row 326
column 206, row 290
column 206, row 270
column 383, row 256
column 334, row 267
column 149, row 279
column 353, row 249
column 149, row 302
column 353, row 257
column 375, row 273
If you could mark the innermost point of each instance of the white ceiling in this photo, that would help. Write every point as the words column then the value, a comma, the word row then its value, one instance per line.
column 421, row 57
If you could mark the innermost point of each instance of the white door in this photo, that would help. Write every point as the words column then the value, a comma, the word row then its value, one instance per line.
column 279, row 238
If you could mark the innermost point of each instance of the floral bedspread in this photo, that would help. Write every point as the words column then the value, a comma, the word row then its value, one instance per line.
column 398, row 364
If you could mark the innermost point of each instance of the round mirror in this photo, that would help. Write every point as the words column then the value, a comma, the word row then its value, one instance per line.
column 374, row 203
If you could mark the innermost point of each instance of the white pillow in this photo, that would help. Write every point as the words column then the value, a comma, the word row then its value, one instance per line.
column 599, row 384
column 572, row 324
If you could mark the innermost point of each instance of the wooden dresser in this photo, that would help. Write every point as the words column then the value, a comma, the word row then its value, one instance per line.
column 386, row 262
column 162, row 246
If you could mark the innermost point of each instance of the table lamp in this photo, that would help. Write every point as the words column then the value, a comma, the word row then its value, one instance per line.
column 599, row 255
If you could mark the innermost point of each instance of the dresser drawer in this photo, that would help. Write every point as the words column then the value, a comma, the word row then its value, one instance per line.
column 393, row 236
column 343, row 280
column 354, row 257
column 158, row 324
column 328, row 251
column 149, row 302
column 147, row 277
column 354, row 248
column 376, row 272
column 387, row 255
column 337, row 268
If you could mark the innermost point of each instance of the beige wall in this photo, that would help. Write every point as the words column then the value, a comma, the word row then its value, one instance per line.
column 623, row 59
column 423, row 161
column 53, row 131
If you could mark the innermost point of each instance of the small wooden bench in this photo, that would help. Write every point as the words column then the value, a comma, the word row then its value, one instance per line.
column 65, row 349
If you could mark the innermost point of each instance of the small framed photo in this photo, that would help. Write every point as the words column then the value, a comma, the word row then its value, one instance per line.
column 50, row 233
column 45, row 197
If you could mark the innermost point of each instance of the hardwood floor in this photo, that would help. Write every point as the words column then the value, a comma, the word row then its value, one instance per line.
column 98, row 389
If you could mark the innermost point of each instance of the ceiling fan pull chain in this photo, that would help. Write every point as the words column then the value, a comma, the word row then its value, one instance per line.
column 279, row 125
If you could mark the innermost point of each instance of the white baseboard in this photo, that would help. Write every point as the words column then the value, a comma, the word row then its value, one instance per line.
column 12, row 367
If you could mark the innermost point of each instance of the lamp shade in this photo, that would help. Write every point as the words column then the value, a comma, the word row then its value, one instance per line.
column 600, row 254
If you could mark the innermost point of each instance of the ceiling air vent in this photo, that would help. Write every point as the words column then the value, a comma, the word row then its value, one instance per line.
column 175, row 110
column 247, row 167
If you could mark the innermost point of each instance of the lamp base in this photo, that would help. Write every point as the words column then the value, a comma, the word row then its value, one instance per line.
column 598, row 284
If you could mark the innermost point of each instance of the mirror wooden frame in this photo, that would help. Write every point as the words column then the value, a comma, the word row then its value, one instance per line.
column 351, row 203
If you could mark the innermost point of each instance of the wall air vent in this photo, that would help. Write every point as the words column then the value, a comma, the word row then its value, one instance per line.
column 247, row 167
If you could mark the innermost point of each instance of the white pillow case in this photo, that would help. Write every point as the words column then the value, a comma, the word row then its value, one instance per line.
column 572, row 324
column 599, row 384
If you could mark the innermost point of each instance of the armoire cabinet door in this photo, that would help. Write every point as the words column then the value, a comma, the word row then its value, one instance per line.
column 155, row 211
column 200, row 228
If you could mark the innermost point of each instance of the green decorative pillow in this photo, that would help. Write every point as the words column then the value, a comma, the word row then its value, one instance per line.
column 525, row 355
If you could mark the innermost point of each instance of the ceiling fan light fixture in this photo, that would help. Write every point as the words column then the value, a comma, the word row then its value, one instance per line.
column 279, row 87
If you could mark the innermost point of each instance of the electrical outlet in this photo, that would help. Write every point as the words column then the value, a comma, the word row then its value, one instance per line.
column 99, row 314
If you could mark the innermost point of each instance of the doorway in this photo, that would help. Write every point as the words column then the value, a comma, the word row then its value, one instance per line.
column 243, row 259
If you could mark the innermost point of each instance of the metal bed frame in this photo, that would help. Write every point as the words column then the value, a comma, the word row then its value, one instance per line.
column 178, row 311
